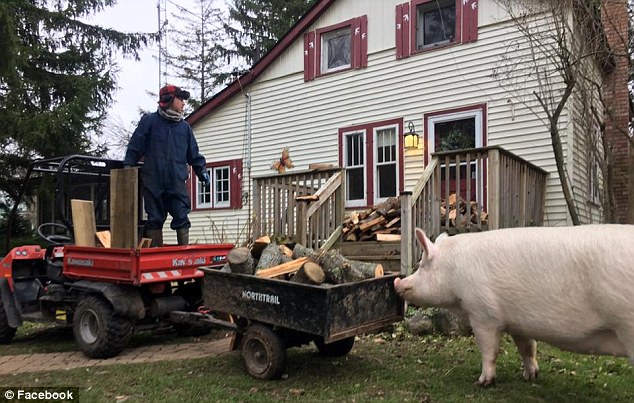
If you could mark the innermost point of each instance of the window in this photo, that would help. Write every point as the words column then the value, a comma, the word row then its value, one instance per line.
column 336, row 48
column 435, row 23
column 221, row 186
column 386, row 162
column 422, row 25
column 372, row 156
column 355, row 168
column 224, row 189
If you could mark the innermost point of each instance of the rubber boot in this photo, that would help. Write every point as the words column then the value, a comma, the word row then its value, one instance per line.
column 182, row 236
column 156, row 235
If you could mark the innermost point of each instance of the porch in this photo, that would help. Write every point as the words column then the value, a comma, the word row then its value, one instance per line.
column 502, row 189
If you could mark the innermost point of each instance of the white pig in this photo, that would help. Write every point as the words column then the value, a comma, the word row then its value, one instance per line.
column 572, row 287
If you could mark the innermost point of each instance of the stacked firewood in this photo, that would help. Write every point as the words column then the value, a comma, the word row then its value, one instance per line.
column 381, row 222
column 469, row 211
column 300, row 264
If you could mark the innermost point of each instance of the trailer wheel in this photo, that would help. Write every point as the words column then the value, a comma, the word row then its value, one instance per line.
column 6, row 332
column 337, row 348
column 100, row 333
column 263, row 352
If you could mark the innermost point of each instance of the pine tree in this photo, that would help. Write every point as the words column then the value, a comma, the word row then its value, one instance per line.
column 255, row 26
column 57, row 77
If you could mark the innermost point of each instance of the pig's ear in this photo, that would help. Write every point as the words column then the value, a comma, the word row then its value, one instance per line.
column 428, row 247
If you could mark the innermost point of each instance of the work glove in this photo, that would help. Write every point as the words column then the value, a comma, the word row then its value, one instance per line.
column 205, row 178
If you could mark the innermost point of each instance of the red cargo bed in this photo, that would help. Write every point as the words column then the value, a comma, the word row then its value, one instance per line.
column 142, row 266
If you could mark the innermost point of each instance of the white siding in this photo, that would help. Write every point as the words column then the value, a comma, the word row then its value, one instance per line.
column 306, row 116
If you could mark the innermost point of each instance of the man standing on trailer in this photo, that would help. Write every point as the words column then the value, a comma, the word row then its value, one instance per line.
column 167, row 144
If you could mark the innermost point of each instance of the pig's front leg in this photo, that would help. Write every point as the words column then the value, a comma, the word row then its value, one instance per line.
column 528, row 350
column 488, row 339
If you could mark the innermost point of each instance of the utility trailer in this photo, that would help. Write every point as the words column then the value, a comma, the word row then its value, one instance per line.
column 270, row 315
column 105, row 293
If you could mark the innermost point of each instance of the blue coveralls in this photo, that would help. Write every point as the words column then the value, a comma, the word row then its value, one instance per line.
column 168, row 147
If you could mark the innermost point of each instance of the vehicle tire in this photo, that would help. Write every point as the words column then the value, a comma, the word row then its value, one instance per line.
column 337, row 348
column 6, row 332
column 98, row 332
column 263, row 352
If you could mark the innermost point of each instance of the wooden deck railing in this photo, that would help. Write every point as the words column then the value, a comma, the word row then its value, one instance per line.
column 508, row 188
column 308, row 205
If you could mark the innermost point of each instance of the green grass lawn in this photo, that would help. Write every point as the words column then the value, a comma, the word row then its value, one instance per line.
column 393, row 367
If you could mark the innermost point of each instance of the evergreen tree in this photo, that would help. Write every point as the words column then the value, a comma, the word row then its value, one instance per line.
column 57, row 76
column 255, row 26
column 197, row 60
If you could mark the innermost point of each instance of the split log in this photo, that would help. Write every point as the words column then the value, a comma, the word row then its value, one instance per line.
column 104, row 238
column 391, row 203
column 240, row 260
column 388, row 237
column 259, row 245
column 309, row 273
column 286, row 251
column 271, row 256
column 393, row 222
column 281, row 269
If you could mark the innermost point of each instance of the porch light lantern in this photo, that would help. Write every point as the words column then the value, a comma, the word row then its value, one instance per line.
column 410, row 137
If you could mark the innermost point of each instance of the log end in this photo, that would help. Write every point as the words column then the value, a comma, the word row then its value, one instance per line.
column 378, row 270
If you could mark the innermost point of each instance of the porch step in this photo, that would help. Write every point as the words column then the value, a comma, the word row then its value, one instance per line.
column 387, row 254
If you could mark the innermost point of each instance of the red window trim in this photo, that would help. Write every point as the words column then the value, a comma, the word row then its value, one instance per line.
column 358, row 51
column 369, row 152
column 235, row 184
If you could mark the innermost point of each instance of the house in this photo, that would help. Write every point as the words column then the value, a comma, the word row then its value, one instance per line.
column 352, row 77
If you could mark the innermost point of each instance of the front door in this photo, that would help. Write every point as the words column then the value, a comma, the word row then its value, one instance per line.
column 458, row 131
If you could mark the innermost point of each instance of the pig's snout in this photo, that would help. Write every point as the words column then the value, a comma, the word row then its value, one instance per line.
column 401, row 286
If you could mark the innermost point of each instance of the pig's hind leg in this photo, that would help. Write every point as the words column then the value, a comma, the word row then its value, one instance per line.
column 488, row 339
column 528, row 351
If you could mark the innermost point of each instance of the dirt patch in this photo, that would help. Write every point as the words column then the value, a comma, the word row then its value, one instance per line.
column 12, row 364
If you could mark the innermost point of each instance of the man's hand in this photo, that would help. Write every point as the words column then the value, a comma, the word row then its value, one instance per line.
column 205, row 178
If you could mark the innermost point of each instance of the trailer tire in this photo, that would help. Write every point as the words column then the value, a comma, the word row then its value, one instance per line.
column 337, row 348
column 98, row 331
column 6, row 332
column 263, row 352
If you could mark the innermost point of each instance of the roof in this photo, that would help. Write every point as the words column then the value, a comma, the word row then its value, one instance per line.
column 258, row 68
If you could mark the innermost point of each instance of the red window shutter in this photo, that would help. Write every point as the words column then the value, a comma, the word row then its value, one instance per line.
column 356, row 43
column 398, row 29
column 406, row 31
column 235, row 178
column 469, row 21
column 364, row 41
column 309, row 56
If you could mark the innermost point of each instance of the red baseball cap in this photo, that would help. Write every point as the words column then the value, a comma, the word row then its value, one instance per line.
column 169, row 92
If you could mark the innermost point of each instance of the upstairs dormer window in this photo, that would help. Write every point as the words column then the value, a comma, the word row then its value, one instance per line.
column 424, row 25
column 435, row 23
column 336, row 48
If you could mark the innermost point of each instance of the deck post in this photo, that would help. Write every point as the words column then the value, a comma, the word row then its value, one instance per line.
column 493, row 184
column 300, row 225
column 407, row 233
